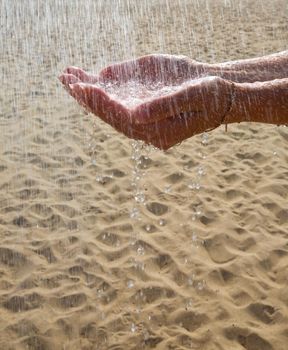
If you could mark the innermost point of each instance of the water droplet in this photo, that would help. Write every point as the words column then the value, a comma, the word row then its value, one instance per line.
column 138, row 310
column 191, row 279
column 130, row 284
column 133, row 238
column 200, row 285
column 162, row 222
column 167, row 189
column 148, row 228
column 140, row 250
column 139, row 197
column 135, row 213
column 100, row 179
column 194, row 185
column 200, row 171
column 205, row 138
column 133, row 328
column 201, row 155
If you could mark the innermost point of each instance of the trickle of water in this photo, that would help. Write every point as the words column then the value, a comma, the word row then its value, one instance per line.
column 201, row 155
column 138, row 148
column 134, row 238
column 197, row 212
column 139, row 265
column 194, row 237
column 133, row 328
column 190, row 280
column 205, row 138
column 200, row 170
column 139, row 197
column 135, row 213
column 141, row 250
column 200, row 285
column 195, row 240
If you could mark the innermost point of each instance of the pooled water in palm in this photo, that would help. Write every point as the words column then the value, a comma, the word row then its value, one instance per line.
column 135, row 92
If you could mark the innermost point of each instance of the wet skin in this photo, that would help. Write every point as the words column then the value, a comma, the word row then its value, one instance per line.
column 202, row 96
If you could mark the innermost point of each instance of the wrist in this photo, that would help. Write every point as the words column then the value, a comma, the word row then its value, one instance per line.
column 263, row 102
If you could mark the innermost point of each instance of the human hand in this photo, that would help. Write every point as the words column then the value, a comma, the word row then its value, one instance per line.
column 160, row 99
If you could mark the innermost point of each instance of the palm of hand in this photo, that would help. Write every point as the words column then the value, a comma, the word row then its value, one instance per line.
column 160, row 99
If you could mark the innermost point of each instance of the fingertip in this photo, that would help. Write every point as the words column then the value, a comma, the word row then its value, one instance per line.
column 71, row 69
column 61, row 78
column 77, row 85
column 67, row 79
column 81, row 74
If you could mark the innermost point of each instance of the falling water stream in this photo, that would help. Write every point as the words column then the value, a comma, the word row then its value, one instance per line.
column 107, row 243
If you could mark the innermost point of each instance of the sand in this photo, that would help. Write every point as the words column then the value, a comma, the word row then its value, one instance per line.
column 206, row 266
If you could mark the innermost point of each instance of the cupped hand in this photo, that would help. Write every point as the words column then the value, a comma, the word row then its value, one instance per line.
column 160, row 99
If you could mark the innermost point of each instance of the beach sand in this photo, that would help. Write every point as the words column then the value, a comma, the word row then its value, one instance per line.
column 206, row 266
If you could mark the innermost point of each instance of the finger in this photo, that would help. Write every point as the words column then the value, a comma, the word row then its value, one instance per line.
column 99, row 103
column 149, row 67
column 67, row 79
column 165, row 67
column 119, row 72
column 155, row 67
column 81, row 74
